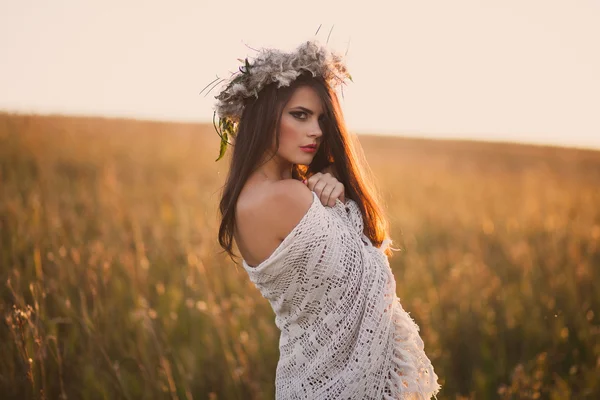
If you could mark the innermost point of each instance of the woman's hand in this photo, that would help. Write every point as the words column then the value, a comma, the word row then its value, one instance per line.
column 331, row 169
column 327, row 187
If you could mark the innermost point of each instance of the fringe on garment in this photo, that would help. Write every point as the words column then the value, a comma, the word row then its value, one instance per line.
column 411, row 376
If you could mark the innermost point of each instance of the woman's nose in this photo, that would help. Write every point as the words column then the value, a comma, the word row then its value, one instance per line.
column 316, row 130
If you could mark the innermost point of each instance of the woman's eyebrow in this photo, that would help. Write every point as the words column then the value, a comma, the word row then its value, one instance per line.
column 306, row 110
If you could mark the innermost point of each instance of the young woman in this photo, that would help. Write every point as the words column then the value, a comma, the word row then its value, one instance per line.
column 312, row 236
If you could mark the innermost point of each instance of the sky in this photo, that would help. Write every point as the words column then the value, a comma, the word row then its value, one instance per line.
column 498, row 70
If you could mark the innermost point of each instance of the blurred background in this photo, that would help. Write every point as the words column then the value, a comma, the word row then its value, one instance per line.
column 479, row 121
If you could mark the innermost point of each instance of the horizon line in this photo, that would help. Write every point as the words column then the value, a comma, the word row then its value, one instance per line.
column 412, row 134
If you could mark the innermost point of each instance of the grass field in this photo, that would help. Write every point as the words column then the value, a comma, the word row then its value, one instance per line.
column 113, row 285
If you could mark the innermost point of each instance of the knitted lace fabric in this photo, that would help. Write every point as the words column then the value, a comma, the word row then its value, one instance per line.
column 344, row 333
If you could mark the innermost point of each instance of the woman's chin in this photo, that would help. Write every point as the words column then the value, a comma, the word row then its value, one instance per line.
column 307, row 159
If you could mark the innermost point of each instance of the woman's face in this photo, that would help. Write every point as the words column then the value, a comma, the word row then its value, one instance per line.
column 300, row 126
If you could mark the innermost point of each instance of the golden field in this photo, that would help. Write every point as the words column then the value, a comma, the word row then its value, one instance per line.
column 113, row 286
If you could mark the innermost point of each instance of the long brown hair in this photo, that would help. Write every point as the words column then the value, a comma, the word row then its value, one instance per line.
column 260, row 121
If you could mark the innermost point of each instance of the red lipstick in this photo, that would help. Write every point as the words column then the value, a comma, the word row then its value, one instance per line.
column 310, row 148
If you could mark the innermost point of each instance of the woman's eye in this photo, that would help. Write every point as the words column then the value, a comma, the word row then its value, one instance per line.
column 299, row 114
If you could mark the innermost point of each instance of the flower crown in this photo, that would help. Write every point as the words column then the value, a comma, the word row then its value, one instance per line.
column 271, row 65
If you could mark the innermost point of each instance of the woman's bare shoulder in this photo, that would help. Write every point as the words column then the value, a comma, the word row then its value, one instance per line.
column 266, row 214
column 286, row 203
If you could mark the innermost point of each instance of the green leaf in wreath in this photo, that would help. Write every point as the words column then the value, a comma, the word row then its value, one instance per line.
column 223, row 145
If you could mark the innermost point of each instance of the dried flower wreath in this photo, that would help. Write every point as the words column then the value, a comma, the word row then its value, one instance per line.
column 271, row 65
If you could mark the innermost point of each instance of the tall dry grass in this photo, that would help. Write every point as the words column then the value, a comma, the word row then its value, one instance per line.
column 113, row 286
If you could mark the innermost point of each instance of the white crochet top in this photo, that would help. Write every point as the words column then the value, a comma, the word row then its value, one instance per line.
column 344, row 333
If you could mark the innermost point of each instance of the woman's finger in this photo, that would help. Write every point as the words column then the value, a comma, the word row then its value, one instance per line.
column 327, row 196
column 313, row 180
column 318, row 189
column 327, row 188
column 339, row 192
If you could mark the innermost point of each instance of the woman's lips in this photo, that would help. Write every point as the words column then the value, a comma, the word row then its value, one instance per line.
column 309, row 149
